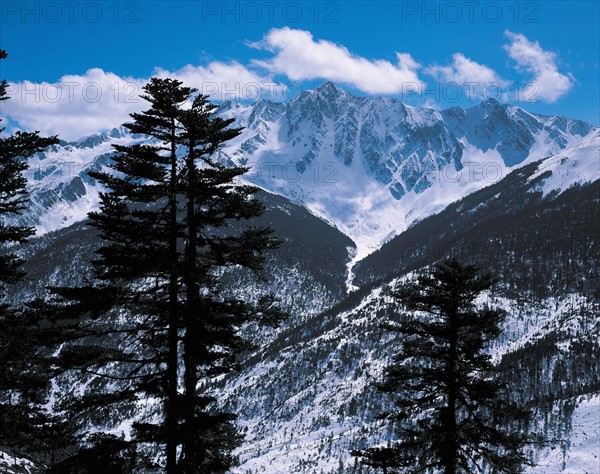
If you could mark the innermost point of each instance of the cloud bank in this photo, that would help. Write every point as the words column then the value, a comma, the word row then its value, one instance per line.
column 467, row 73
column 79, row 105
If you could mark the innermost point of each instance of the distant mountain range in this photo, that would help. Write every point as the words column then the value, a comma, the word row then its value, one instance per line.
column 370, row 166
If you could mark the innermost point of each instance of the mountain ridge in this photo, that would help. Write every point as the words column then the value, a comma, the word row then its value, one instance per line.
column 369, row 166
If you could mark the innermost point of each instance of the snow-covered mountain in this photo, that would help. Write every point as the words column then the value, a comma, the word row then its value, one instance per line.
column 370, row 166
column 388, row 189
column 60, row 190
column 307, row 399
column 537, row 184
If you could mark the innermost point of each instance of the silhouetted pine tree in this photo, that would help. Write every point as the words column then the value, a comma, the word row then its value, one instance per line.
column 156, row 302
column 140, row 221
column 212, row 200
column 452, row 414
column 26, row 429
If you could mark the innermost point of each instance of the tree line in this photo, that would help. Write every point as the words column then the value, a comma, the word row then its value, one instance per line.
column 141, row 338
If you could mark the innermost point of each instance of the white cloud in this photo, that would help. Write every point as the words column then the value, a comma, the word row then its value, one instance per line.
column 227, row 81
column 474, row 77
column 549, row 83
column 298, row 56
column 76, row 105
column 79, row 105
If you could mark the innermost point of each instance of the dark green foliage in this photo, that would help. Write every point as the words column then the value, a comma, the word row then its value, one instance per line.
column 538, row 248
column 26, row 428
column 452, row 411
column 14, row 151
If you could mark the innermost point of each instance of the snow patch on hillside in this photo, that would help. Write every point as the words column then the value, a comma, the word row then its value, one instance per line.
column 577, row 165
column 305, row 425
column 582, row 455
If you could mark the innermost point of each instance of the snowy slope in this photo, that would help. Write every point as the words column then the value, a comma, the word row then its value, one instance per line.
column 307, row 403
column 582, row 455
column 60, row 190
column 15, row 465
column 373, row 166
column 309, row 399
column 574, row 166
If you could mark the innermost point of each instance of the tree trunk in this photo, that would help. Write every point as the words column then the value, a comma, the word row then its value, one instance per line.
column 452, row 447
column 172, row 376
column 190, row 446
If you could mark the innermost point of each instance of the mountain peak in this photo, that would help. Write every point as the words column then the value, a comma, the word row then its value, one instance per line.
column 330, row 89
column 492, row 103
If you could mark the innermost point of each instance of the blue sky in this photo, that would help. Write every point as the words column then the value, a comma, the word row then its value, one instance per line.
column 76, row 67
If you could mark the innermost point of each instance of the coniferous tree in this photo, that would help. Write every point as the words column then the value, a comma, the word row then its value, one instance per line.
column 14, row 151
column 26, row 428
column 452, row 413
column 166, row 225
column 211, row 319
column 140, row 220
